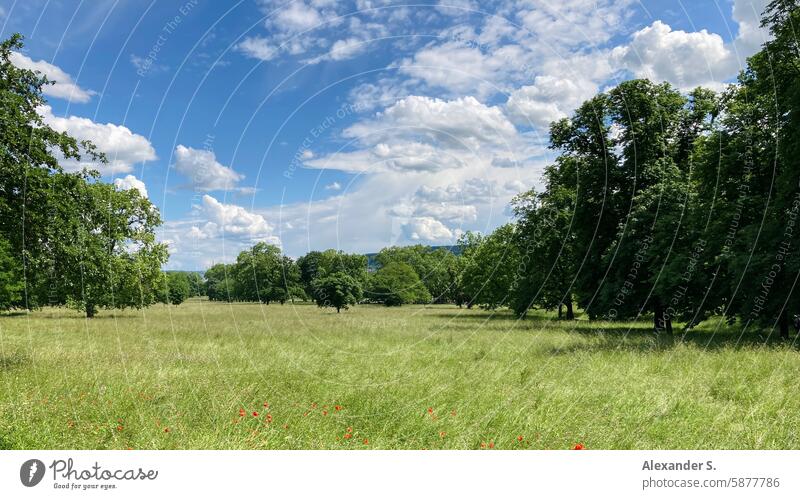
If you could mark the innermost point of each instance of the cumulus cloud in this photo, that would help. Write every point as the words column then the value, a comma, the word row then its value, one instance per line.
column 122, row 147
column 427, row 229
column 130, row 182
column 230, row 220
column 549, row 98
column 204, row 171
column 335, row 186
column 685, row 59
column 63, row 88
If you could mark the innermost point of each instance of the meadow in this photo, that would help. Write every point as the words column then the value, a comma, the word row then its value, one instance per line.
column 210, row 375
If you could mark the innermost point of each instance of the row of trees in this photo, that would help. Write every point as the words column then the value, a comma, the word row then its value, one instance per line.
column 676, row 206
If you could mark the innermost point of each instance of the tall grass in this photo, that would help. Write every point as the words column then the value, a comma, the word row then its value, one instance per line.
column 374, row 377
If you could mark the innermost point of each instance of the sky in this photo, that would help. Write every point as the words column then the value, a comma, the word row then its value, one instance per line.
column 353, row 125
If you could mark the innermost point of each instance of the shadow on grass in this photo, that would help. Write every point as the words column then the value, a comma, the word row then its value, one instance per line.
column 633, row 336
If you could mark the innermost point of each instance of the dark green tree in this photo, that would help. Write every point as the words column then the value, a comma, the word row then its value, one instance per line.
column 338, row 290
column 396, row 284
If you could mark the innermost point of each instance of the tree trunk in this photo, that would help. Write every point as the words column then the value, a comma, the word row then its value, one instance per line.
column 90, row 310
column 658, row 317
column 784, row 325
column 668, row 324
column 337, row 310
column 570, row 312
column 560, row 306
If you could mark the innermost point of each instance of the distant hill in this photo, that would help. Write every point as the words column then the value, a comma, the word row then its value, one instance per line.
column 372, row 264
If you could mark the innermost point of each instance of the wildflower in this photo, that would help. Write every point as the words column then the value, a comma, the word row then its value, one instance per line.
column 241, row 413
column 255, row 414
column 166, row 430
column 366, row 441
column 119, row 428
column 578, row 446
column 519, row 438
column 266, row 405
column 268, row 418
column 324, row 413
column 430, row 410
column 338, row 408
column 483, row 445
column 442, row 434
column 348, row 436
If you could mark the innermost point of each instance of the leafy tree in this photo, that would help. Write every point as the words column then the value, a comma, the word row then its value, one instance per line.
column 397, row 283
column 11, row 284
column 219, row 282
column 433, row 266
column 338, row 290
column 491, row 264
column 178, row 287
column 546, row 271
column 81, row 241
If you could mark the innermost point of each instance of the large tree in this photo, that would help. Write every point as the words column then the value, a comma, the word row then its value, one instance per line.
column 79, row 241
column 397, row 283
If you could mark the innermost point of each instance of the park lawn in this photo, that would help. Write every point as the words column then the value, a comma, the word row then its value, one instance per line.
column 177, row 377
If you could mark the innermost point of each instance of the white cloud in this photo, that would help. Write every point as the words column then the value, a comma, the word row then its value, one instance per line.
column 230, row 220
column 335, row 186
column 342, row 50
column 63, row 88
column 130, row 182
column 548, row 99
column 297, row 16
column 204, row 171
column 569, row 23
column 427, row 229
column 122, row 147
column 685, row 59
column 258, row 48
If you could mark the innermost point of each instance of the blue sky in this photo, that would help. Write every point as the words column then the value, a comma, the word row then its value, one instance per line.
column 354, row 125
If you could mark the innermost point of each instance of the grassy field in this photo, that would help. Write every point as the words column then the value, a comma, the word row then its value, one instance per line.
column 375, row 377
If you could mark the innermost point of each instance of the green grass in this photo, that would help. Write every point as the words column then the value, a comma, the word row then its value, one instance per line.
column 121, row 380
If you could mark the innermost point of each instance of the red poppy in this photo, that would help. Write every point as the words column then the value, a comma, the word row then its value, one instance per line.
column 266, row 405
column 347, row 436
column 338, row 407
column 241, row 413
column 255, row 414
column 578, row 447
column 483, row 445
column 519, row 438
column 430, row 410
column 268, row 418
column 366, row 441
column 324, row 413
column 166, row 430
column 119, row 428
column 491, row 445
column 442, row 434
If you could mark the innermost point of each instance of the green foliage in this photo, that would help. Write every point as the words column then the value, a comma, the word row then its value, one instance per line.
column 81, row 241
column 490, row 267
column 338, row 290
column 396, row 283
column 11, row 284
column 435, row 267
column 178, row 287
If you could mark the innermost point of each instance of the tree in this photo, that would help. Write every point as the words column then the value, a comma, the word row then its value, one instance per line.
column 396, row 284
column 11, row 284
column 491, row 264
column 338, row 290
column 219, row 282
column 546, row 272
column 81, row 241
column 433, row 266
column 178, row 287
